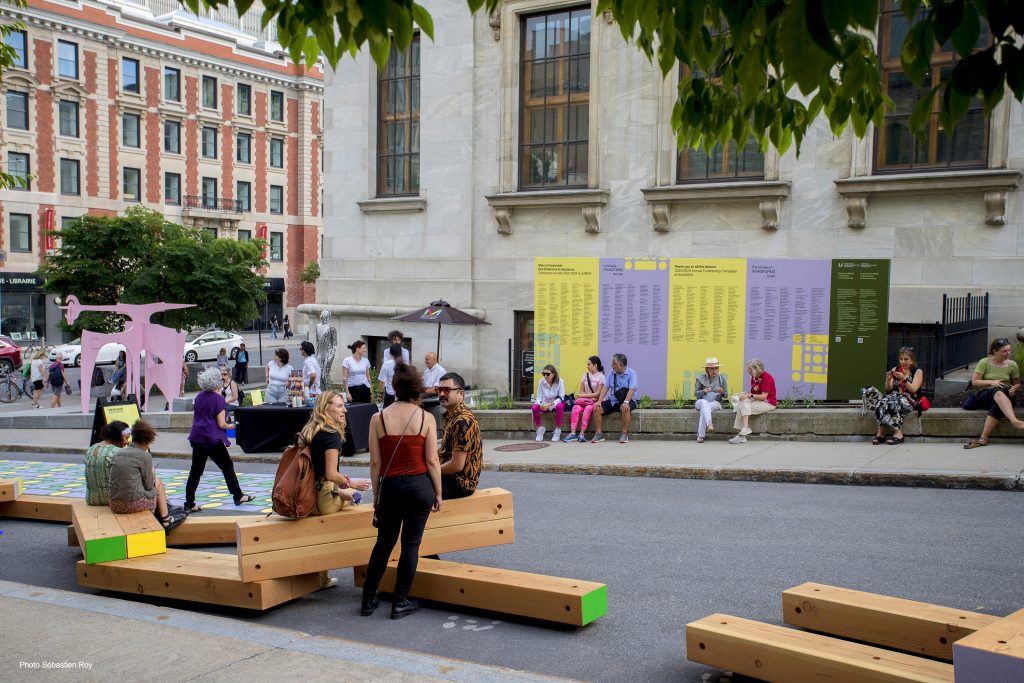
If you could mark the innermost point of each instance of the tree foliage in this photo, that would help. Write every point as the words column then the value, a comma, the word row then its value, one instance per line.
column 7, row 59
column 140, row 258
column 311, row 273
column 774, row 65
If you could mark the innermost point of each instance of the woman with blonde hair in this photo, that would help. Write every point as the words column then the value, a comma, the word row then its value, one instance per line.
column 323, row 434
column 37, row 377
column 760, row 399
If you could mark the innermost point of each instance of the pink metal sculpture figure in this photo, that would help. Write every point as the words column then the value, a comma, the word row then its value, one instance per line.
column 164, row 347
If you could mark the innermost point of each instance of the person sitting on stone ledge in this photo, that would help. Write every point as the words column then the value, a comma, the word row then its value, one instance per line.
column 710, row 390
column 902, row 384
column 997, row 382
column 550, row 398
column 760, row 399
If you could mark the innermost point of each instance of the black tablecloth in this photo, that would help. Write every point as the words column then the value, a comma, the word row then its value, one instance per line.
column 271, row 429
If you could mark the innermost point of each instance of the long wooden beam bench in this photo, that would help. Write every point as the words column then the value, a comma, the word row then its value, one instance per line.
column 916, row 627
column 783, row 655
column 105, row 536
column 196, row 576
column 993, row 654
column 10, row 489
column 196, row 530
column 41, row 508
column 275, row 547
column 550, row 598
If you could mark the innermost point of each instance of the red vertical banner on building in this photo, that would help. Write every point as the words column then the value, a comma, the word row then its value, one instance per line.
column 50, row 241
column 261, row 234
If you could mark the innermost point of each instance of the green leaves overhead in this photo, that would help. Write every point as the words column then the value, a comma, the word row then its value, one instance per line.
column 751, row 67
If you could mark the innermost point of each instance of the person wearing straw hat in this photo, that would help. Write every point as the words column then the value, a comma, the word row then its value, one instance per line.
column 709, row 389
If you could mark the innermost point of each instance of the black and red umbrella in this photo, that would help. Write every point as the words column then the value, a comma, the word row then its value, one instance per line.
column 441, row 313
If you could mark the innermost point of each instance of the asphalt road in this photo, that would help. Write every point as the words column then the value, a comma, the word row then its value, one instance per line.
column 670, row 551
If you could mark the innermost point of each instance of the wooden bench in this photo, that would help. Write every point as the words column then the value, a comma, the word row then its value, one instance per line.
column 917, row 627
column 105, row 536
column 993, row 654
column 550, row 598
column 276, row 547
column 41, row 508
column 196, row 530
column 193, row 575
column 785, row 655
column 10, row 489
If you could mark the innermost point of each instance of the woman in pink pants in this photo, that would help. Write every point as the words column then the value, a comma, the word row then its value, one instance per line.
column 550, row 397
column 590, row 390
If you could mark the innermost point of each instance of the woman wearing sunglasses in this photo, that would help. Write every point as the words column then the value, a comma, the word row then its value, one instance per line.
column 550, row 397
column 996, row 380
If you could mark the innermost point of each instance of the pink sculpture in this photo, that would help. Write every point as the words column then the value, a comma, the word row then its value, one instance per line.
column 164, row 347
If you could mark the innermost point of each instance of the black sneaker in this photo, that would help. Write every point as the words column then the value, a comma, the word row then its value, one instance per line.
column 403, row 607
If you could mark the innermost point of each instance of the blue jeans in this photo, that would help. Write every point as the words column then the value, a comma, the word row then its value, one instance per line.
column 276, row 394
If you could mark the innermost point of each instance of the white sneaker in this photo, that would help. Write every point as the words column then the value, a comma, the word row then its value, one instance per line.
column 738, row 439
column 557, row 435
column 540, row 433
column 745, row 431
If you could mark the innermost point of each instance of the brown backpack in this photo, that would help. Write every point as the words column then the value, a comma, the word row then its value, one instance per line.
column 294, row 492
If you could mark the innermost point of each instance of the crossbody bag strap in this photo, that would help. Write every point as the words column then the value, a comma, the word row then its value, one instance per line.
column 393, row 453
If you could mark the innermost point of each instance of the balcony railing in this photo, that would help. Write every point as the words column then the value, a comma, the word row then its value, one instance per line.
column 206, row 203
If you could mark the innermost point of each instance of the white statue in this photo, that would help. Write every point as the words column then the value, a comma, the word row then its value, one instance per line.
column 326, row 347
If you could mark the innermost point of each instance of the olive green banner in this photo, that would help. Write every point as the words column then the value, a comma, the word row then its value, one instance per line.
column 858, row 325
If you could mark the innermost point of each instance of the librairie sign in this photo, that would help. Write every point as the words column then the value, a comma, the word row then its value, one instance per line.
column 819, row 325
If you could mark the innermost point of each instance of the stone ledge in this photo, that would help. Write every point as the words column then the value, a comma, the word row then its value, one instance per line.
column 795, row 424
column 588, row 200
column 393, row 205
column 767, row 193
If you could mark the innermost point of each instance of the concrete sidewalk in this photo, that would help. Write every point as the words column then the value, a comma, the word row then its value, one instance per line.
column 940, row 465
column 75, row 636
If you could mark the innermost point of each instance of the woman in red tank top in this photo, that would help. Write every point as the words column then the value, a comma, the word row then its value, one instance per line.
column 406, row 474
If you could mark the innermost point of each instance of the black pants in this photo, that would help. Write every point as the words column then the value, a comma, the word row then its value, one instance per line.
column 404, row 507
column 217, row 452
column 450, row 488
column 360, row 394
column 388, row 399
column 241, row 373
column 986, row 399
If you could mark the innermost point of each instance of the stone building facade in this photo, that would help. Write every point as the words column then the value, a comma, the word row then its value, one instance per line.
column 115, row 104
column 582, row 161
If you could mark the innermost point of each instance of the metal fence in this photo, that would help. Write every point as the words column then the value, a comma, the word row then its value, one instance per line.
column 210, row 203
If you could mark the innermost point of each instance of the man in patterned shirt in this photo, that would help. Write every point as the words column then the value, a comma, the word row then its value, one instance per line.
column 461, row 451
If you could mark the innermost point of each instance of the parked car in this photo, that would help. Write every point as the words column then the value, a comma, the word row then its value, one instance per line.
column 10, row 354
column 207, row 345
column 71, row 353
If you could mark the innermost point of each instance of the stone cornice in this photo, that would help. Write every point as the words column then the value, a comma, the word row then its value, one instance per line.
column 995, row 184
column 589, row 201
column 767, row 193
column 393, row 205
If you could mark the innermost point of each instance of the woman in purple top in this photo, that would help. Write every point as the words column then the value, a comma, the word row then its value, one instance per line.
column 210, row 441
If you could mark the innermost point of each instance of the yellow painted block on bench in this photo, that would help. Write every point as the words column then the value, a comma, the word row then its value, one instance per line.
column 908, row 625
column 42, row 508
column 784, row 655
column 551, row 598
column 148, row 543
column 10, row 489
column 994, row 654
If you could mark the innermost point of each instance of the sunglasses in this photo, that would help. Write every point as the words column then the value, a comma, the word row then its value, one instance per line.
column 447, row 390
column 546, row 374
column 1002, row 341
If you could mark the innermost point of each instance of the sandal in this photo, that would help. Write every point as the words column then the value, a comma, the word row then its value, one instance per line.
column 893, row 441
column 878, row 441
column 975, row 444
column 171, row 521
column 245, row 499
column 193, row 508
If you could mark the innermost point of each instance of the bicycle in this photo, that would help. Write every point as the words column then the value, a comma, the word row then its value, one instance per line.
column 9, row 389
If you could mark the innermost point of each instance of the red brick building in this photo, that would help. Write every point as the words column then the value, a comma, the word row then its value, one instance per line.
column 113, row 104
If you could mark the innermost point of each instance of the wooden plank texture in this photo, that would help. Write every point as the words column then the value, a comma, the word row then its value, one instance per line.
column 42, row 508
column 207, row 529
column 784, row 655
column 260, row 534
column 197, row 576
column 10, row 489
column 356, row 551
column 99, row 534
column 993, row 654
column 908, row 625
column 537, row 596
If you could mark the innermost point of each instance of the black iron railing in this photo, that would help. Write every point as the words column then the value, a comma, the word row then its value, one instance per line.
column 213, row 203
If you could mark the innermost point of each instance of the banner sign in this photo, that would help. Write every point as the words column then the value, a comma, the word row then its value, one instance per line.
column 799, row 316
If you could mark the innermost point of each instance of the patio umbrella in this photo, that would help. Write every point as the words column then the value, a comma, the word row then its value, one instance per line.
column 442, row 313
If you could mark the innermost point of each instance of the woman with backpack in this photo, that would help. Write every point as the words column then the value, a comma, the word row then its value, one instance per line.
column 323, row 434
column 406, row 474
column 210, row 441
column 58, row 380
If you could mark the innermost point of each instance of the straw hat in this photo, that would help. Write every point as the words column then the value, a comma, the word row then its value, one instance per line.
column 711, row 362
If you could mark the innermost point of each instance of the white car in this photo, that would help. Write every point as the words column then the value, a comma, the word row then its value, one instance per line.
column 207, row 345
column 71, row 353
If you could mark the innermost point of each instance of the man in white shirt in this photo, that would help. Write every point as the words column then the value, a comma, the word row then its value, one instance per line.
column 310, row 372
column 396, row 337
column 432, row 374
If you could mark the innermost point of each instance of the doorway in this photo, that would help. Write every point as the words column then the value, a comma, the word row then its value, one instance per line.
column 522, row 355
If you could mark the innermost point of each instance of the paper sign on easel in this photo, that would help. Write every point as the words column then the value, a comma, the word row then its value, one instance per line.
column 257, row 397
